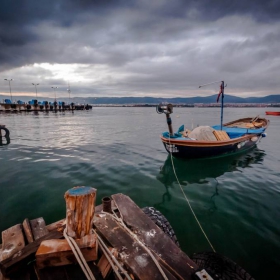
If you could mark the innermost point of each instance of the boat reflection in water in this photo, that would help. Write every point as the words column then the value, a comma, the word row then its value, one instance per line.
column 203, row 171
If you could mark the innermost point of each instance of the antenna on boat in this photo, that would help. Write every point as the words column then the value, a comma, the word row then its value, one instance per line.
column 221, row 92
column 167, row 109
column 209, row 84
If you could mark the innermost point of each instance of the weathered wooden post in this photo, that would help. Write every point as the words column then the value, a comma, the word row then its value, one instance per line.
column 80, row 206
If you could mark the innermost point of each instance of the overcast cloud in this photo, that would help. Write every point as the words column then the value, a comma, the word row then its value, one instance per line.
column 156, row 48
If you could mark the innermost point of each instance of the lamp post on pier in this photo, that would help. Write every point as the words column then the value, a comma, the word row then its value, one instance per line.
column 9, row 80
column 69, row 91
column 54, row 89
column 35, row 88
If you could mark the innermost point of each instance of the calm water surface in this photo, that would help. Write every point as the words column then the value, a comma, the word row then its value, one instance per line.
column 118, row 150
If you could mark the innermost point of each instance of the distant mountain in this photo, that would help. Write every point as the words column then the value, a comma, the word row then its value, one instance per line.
column 152, row 100
column 177, row 100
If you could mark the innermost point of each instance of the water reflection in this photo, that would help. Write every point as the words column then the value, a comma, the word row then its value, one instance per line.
column 203, row 171
column 199, row 170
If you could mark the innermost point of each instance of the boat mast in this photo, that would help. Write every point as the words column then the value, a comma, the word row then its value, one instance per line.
column 221, row 92
column 222, row 103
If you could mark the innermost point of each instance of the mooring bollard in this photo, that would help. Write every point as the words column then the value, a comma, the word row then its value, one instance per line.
column 80, row 206
column 106, row 204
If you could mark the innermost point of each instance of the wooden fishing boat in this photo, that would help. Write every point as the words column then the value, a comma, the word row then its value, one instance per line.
column 236, row 136
column 273, row 113
column 209, row 141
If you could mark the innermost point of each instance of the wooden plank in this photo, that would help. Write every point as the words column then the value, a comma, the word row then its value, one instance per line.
column 67, row 272
column 173, row 258
column 2, row 277
column 131, row 253
column 51, row 273
column 27, row 231
column 104, row 265
column 38, row 227
column 25, row 255
column 13, row 241
column 56, row 225
column 56, row 252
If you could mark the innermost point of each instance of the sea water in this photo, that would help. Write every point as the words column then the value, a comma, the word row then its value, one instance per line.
column 118, row 150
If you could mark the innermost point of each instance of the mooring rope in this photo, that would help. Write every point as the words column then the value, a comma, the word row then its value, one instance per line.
column 186, row 198
column 79, row 256
column 111, row 258
column 114, row 216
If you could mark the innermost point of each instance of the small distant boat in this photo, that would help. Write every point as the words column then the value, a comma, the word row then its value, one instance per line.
column 273, row 113
column 211, row 141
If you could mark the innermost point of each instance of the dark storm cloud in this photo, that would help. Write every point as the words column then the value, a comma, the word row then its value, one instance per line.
column 144, row 46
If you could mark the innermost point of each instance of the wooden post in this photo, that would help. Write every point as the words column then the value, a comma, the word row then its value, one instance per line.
column 80, row 206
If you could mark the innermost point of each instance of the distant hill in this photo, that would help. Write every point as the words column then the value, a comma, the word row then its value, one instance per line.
column 152, row 100
column 177, row 100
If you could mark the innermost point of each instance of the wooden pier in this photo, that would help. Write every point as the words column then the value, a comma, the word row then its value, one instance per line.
column 123, row 243
column 42, row 107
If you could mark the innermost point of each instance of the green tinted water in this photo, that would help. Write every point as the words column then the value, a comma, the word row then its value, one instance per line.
column 118, row 150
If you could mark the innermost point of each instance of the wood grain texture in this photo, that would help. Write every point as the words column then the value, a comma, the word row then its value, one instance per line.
column 27, row 231
column 80, row 205
column 134, row 256
column 56, row 225
column 104, row 265
column 13, row 241
column 27, row 254
column 38, row 227
column 172, row 257
column 56, row 252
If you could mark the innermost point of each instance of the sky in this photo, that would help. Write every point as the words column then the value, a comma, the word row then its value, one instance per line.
column 157, row 48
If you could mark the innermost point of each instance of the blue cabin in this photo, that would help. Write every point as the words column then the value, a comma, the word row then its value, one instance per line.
column 8, row 101
column 20, row 102
column 32, row 102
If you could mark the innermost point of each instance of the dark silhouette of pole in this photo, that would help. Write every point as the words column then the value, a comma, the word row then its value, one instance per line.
column 35, row 88
column 69, row 91
column 54, row 88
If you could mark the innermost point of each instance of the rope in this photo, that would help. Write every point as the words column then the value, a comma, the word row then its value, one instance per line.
column 141, row 243
column 109, row 255
column 79, row 256
column 188, row 199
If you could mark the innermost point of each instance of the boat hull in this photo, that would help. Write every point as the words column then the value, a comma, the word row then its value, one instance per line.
column 203, row 149
column 273, row 113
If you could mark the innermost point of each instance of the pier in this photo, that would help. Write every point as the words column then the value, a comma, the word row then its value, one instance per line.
column 43, row 106
column 115, row 238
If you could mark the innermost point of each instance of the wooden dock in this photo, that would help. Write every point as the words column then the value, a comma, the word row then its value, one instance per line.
column 46, row 107
column 122, row 243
